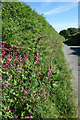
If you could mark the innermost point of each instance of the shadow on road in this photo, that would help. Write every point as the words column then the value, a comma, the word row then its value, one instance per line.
column 76, row 51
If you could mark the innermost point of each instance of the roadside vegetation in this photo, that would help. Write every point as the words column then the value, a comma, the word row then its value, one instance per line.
column 35, row 78
column 72, row 36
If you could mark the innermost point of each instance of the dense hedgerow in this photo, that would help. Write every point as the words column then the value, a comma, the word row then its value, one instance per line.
column 35, row 79
column 24, row 84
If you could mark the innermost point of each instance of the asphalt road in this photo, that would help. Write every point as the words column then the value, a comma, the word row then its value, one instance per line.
column 72, row 56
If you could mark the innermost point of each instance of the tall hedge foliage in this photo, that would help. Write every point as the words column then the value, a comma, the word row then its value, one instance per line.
column 25, row 27
column 33, row 71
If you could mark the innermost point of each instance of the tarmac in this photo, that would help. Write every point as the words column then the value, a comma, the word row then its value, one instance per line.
column 72, row 56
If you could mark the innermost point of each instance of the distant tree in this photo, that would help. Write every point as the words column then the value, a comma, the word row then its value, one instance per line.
column 65, row 33
column 72, row 30
column 74, row 39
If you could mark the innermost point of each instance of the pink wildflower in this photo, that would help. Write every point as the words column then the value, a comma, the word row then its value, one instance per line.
column 24, row 95
column 37, row 74
column 15, row 57
column 27, row 117
column 48, row 74
column 25, row 91
column 9, row 110
column 25, row 65
column 11, row 64
column 36, row 60
column 68, row 97
column 20, row 65
column 65, row 81
column 8, row 55
column 37, row 46
column 37, row 98
column 20, row 85
column 50, row 70
column 8, row 77
column 14, row 45
column 20, row 57
column 20, row 68
column 6, row 81
column 51, row 65
column 2, row 54
column 18, row 62
column 43, row 89
column 37, row 52
column 36, row 57
column 21, row 99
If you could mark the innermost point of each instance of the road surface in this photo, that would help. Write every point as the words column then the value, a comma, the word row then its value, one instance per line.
column 72, row 54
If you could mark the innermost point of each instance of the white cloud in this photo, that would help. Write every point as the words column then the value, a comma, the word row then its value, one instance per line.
column 60, row 26
column 44, row 5
column 61, row 9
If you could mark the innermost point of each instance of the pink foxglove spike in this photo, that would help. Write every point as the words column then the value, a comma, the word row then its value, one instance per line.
column 37, row 46
column 48, row 74
column 51, row 65
column 50, row 70
column 37, row 52
column 36, row 57
column 36, row 60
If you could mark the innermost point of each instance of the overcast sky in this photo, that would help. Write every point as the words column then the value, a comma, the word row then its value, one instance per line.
column 61, row 15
